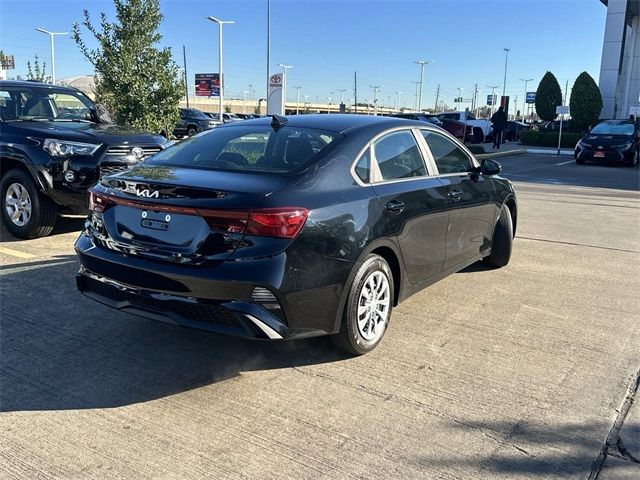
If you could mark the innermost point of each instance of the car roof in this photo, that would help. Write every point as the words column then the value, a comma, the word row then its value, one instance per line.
column 340, row 123
column 32, row 84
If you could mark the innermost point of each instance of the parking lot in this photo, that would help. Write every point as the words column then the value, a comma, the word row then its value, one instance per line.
column 513, row 373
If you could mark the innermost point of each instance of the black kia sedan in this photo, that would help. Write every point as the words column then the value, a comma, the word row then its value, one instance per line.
column 281, row 228
column 610, row 141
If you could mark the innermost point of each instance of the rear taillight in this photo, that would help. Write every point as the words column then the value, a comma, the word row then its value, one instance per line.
column 97, row 203
column 277, row 222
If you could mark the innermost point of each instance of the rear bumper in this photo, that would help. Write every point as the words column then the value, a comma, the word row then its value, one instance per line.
column 219, row 297
column 242, row 319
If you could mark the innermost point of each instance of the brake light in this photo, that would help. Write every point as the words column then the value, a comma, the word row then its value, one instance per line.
column 97, row 203
column 277, row 222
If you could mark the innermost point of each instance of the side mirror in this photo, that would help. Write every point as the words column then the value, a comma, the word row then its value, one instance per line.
column 490, row 167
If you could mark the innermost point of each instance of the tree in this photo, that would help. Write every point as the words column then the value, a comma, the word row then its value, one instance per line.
column 586, row 101
column 548, row 97
column 138, row 83
column 37, row 73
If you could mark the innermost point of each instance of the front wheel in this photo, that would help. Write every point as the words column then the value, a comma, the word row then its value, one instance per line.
column 25, row 212
column 502, row 243
column 368, row 307
column 635, row 160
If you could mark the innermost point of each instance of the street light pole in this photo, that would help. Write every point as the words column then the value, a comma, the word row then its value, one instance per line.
column 524, row 102
column 268, row 51
column 53, row 51
column 460, row 97
column 398, row 93
column 244, row 100
column 220, row 71
column 504, row 83
column 417, row 86
column 342, row 90
column 376, row 89
column 284, row 85
column 298, row 99
column 422, row 63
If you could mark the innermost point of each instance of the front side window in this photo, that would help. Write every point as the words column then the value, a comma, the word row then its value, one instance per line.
column 449, row 157
column 244, row 148
column 44, row 104
column 398, row 156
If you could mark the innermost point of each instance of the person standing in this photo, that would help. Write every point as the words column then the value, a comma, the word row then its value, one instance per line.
column 499, row 122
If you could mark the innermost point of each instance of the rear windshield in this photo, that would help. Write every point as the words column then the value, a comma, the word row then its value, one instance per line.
column 606, row 128
column 246, row 148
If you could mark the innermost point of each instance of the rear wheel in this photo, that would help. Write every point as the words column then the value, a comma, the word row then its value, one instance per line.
column 25, row 212
column 191, row 131
column 368, row 307
column 502, row 240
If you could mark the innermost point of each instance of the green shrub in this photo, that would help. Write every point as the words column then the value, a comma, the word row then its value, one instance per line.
column 549, row 139
column 530, row 137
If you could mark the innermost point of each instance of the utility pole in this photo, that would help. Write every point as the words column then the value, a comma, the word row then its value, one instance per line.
column 298, row 99
column 376, row 89
column 355, row 91
column 268, row 51
column 186, row 84
column 435, row 108
column 422, row 63
column 493, row 97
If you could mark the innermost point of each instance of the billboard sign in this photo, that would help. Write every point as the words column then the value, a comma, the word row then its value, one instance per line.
column 275, row 101
column 491, row 99
column 531, row 97
column 207, row 85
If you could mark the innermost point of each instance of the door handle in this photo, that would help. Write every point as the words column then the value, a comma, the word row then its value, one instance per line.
column 394, row 206
column 455, row 195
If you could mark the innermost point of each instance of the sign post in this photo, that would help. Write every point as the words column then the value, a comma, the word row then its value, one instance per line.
column 561, row 110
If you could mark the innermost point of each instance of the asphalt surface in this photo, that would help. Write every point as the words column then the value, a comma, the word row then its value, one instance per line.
column 520, row 372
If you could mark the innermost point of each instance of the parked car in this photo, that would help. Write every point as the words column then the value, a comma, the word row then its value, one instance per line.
column 226, row 117
column 610, row 141
column 454, row 127
column 193, row 121
column 481, row 127
column 290, row 228
column 244, row 116
column 55, row 143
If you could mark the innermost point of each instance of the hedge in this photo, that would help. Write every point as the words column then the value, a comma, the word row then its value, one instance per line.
column 549, row 139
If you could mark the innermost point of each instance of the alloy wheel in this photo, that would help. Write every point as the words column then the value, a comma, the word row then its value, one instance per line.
column 18, row 204
column 373, row 306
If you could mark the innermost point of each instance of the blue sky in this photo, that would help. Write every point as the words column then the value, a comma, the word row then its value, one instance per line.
column 327, row 41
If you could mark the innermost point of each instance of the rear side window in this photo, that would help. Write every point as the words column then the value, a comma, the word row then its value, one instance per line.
column 448, row 156
column 245, row 148
column 363, row 167
column 398, row 156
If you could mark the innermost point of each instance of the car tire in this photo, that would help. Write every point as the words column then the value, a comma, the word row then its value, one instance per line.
column 478, row 135
column 38, row 213
column 502, row 242
column 191, row 131
column 359, row 337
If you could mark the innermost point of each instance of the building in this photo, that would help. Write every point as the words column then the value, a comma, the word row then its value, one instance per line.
column 620, row 66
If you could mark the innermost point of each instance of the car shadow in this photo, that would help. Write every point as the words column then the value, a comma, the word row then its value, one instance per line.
column 63, row 225
column 63, row 351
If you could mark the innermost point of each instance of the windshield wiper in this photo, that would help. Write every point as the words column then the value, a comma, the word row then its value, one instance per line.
column 75, row 120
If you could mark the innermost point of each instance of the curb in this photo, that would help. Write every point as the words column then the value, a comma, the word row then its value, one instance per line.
column 520, row 151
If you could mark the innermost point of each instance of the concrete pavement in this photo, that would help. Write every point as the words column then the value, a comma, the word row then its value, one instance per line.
column 513, row 373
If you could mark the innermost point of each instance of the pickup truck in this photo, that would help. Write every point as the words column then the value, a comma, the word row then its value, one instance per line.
column 481, row 127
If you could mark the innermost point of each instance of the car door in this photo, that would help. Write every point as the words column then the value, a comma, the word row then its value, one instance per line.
column 471, row 197
column 415, row 202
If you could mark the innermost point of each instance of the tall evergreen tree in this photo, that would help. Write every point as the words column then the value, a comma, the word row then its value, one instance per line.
column 548, row 97
column 138, row 82
column 586, row 101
